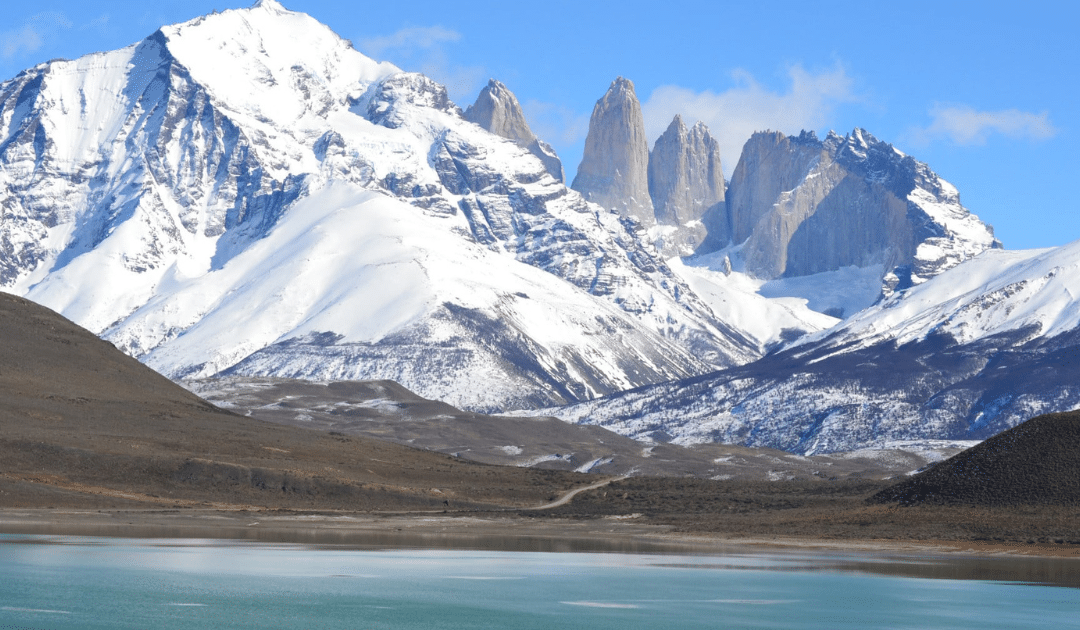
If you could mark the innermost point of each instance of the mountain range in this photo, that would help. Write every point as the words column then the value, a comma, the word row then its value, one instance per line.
column 342, row 213
column 246, row 194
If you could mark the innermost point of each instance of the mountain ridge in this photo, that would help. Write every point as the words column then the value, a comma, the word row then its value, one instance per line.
column 798, row 206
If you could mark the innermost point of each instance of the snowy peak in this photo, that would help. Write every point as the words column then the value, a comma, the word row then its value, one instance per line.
column 997, row 293
column 267, row 63
column 270, row 5
column 878, row 161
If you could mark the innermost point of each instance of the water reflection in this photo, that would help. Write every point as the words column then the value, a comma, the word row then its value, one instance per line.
column 360, row 539
column 1044, row 571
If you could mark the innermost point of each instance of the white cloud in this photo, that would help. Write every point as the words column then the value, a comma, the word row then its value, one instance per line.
column 99, row 25
column 735, row 114
column 964, row 125
column 422, row 49
column 32, row 35
column 463, row 83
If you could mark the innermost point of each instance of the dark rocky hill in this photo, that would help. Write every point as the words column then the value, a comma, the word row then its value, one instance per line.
column 84, row 425
column 1034, row 463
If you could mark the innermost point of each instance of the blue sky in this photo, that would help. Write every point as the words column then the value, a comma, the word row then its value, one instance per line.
column 985, row 92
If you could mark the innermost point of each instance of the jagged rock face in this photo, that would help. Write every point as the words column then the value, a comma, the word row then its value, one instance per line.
column 804, row 206
column 685, row 173
column 685, row 179
column 614, row 170
column 288, row 206
column 770, row 164
column 548, row 157
column 497, row 110
column 389, row 105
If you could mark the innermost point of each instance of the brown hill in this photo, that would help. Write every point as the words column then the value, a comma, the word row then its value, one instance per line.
column 1034, row 463
column 83, row 425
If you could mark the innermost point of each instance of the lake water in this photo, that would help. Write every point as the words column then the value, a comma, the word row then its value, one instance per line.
column 49, row 582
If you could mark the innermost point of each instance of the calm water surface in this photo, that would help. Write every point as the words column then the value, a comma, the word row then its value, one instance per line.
column 69, row 582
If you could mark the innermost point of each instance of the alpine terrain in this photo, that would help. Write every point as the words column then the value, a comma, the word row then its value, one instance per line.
column 974, row 351
column 246, row 195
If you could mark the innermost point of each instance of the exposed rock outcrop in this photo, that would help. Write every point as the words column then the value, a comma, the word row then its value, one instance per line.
column 685, row 179
column 614, row 170
column 1034, row 463
column 685, row 173
column 804, row 206
column 497, row 110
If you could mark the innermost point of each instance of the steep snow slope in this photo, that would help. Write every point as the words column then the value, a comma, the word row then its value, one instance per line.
column 995, row 293
column 963, row 356
column 246, row 192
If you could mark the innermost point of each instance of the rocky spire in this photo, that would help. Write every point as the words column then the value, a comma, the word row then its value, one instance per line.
column 614, row 170
column 685, row 174
column 498, row 111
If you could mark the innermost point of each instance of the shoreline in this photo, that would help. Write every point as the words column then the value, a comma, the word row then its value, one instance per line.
column 472, row 531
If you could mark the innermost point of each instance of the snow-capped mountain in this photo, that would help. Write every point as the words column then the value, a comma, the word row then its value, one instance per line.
column 246, row 193
column 963, row 356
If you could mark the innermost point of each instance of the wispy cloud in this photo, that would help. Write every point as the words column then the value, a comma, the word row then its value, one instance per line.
column 556, row 124
column 965, row 125
column 735, row 114
column 25, row 40
column 99, row 25
column 423, row 49
column 409, row 40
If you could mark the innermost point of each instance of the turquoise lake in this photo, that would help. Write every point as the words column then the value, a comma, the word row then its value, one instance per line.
column 53, row 582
